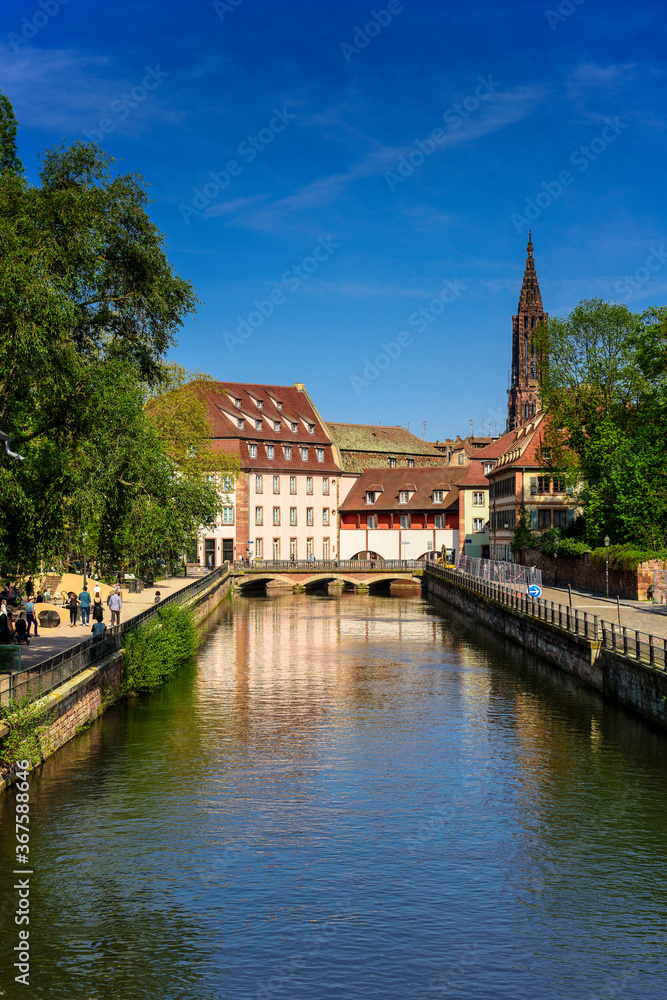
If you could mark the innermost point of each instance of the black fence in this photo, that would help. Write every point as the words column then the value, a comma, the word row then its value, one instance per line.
column 34, row 682
column 640, row 646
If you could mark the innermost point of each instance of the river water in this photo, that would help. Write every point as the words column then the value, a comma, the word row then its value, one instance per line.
column 346, row 798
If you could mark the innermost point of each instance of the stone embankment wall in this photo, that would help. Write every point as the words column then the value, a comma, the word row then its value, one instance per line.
column 635, row 685
column 583, row 574
column 76, row 703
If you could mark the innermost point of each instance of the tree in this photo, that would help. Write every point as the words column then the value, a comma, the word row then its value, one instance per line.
column 89, row 307
column 604, row 389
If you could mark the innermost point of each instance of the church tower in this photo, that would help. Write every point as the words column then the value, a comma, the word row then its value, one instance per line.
column 524, row 386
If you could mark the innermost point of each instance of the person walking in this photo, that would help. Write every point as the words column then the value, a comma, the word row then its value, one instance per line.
column 72, row 604
column 115, row 604
column 31, row 614
column 84, row 601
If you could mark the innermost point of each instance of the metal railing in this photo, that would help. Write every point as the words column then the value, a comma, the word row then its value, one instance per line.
column 36, row 681
column 499, row 572
column 324, row 565
column 640, row 646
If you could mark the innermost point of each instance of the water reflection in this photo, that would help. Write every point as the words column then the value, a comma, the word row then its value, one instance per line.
column 351, row 797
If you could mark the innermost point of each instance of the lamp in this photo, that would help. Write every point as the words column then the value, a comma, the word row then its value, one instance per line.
column 607, row 540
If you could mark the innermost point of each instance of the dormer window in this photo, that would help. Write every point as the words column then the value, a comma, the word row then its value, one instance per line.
column 403, row 496
column 276, row 426
column 241, row 423
column 295, row 428
column 311, row 428
column 487, row 468
column 252, row 450
column 260, row 404
column 279, row 405
column 411, row 463
column 392, row 463
column 270, row 451
column 288, row 452
column 258, row 425
column 304, row 454
column 437, row 496
column 370, row 496
column 320, row 454
column 237, row 403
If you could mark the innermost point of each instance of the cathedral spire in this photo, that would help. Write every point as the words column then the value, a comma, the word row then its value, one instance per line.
column 530, row 289
column 523, row 393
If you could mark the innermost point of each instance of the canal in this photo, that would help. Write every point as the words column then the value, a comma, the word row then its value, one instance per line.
column 346, row 798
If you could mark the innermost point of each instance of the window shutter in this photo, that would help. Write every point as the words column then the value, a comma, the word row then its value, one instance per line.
column 533, row 515
column 533, row 486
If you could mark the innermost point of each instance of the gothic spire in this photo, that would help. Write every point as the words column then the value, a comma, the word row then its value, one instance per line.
column 530, row 290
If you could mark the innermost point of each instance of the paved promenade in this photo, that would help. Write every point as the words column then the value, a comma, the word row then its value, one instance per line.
column 54, row 640
column 641, row 615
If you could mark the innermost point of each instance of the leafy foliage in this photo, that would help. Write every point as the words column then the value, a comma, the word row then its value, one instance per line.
column 523, row 537
column 604, row 387
column 155, row 650
column 625, row 557
column 89, row 307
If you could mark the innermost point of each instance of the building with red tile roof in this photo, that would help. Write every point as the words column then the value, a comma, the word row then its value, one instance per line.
column 518, row 480
column 401, row 514
column 285, row 500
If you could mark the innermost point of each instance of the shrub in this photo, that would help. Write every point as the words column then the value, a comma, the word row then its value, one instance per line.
column 625, row 557
column 155, row 650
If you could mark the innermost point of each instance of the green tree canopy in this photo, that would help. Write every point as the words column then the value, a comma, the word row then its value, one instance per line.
column 89, row 307
column 604, row 387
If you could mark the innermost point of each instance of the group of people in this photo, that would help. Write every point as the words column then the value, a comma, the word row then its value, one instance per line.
column 93, row 604
column 14, row 628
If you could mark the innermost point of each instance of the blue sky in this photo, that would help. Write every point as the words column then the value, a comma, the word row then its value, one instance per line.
column 271, row 134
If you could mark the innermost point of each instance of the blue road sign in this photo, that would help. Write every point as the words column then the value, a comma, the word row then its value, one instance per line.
column 534, row 590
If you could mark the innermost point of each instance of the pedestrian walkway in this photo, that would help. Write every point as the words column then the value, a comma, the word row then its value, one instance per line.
column 639, row 615
column 54, row 640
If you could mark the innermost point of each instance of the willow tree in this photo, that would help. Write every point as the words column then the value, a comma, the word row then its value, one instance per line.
column 89, row 308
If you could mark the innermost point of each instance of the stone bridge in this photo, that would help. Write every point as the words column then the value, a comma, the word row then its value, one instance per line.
column 352, row 575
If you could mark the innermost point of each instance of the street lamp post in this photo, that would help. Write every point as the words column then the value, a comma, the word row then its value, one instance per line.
column 85, row 539
column 606, row 564
column 556, row 561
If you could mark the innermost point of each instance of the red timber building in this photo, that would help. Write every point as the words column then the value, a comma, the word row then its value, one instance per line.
column 401, row 514
column 518, row 480
column 285, row 501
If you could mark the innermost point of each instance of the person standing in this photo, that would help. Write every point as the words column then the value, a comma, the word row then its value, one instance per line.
column 72, row 604
column 115, row 604
column 31, row 614
column 98, row 610
column 84, row 601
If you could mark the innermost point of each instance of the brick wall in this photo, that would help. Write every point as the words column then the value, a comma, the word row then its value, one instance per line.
column 583, row 574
